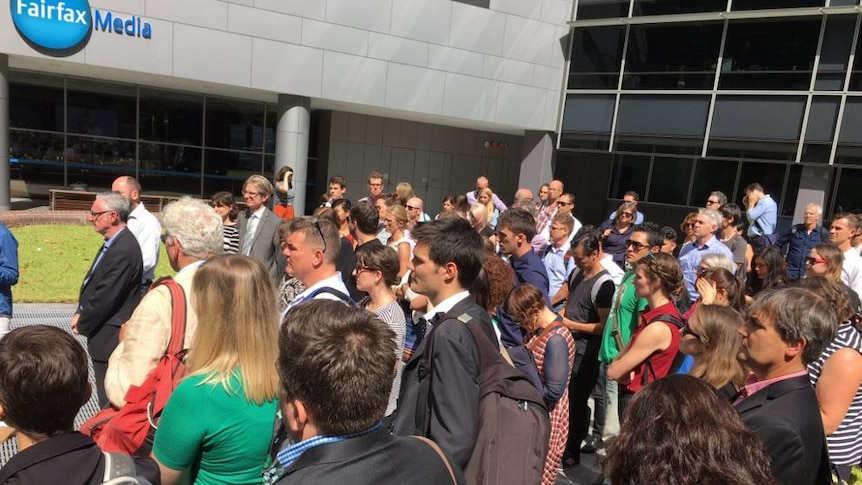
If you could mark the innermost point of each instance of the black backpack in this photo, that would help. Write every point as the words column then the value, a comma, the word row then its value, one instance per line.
column 514, row 426
column 678, row 359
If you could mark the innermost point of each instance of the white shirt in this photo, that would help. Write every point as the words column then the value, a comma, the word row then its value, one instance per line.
column 147, row 231
column 335, row 282
column 613, row 269
column 851, row 273
column 447, row 304
column 251, row 230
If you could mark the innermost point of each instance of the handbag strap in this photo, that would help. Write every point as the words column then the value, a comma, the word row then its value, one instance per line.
column 545, row 331
column 615, row 331
column 442, row 456
column 178, row 314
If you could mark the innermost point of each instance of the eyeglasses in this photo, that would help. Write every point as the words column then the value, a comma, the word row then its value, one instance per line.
column 701, row 271
column 411, row 208
column 812, row 261
column 375, row 185
column 626, row 214
column 164, row 238
column 320, row 232
column 713, row 202
column 560, row 202
column 361, row 267
column 97, row 214
column 250, row 194
column 686, row 330
column 636, row 245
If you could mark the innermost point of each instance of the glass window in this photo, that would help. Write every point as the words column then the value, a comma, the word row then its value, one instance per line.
column 600, row 9
column 856, row 74
column 848, row 197
column 272, row 124
column 769, row 175
column 850, row 140
column 596, row 57
column 476, row 3
column 98, row 161
column 756, row 127
column 36, row 157
column 171, row 168
column 630, row 172
column 587, row 121
column 835, row 52
column 666, row 7
column 669, row 180
column 656, row 59
column 101, row 109
column 36, row 107
column 820, row 130
column 791, row 192
column 224, row 170
column 234, row 124
column 662, row 123
column 764, row 4
column 837, row 3
column 712, row 175
column 171, row 117
column 769, row 54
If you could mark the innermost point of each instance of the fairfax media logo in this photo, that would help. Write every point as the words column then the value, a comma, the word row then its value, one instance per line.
column 62, row 28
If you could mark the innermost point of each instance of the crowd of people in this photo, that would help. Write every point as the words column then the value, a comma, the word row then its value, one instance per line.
column 362, row 343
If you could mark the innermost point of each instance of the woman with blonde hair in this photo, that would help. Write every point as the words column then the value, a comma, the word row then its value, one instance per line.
column 478, row 217
column 404, row 191
column 615, row 232
column 218, row 422
column 395, row 220
column 711, row 336
column 825, row 260
column 486, row 198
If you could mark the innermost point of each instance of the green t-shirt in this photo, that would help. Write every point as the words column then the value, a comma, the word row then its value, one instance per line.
column 221, row 436
column 627, row 307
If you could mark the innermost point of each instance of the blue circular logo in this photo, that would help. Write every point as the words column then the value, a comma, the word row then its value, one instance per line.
column 53, row 27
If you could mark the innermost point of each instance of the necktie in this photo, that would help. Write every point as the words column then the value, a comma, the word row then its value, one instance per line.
column 249, row 234
column 423, row 326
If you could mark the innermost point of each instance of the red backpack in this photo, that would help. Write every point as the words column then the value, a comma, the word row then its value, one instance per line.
column 131, row 429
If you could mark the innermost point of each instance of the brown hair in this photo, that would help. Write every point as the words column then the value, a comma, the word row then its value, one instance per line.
column 380, row 258
column 665, row 269
column 832, row 292
column 725, row 280
column 225, row 199
column 834, row 261
column 686, row 221
column 719, row 335
column 523, row 303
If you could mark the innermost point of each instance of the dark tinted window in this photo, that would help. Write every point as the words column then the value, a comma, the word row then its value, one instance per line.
column 476, row 3
column 669, row 182
column 711, row 175
column 36, row 107
column 36, row 157
column 101, row 109
column 849, row 197
column 597, row 54
column 171, row 117
column 630, row 172
column 820, row 129
column 762, row 4
column 662, row 123
column 587, row 121
column 665, row 7
column 791, row 191
column 756, row 127
column 856, row 76
column 656, row 59
column 225, row 170
column 769, row 175
column 599, row 9
column 850, row 140
column 835, row 52
column 772, row 54
column 234, row 124
column 171, row 168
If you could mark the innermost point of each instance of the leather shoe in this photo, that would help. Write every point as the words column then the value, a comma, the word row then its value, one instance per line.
column 592, row 444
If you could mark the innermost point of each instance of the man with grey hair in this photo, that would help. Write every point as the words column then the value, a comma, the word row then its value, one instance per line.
column 524, row 200
column 784, row 331
column 311, row 247
column 705, row 224
column 192, row 235
column 112, row 287
column 715, row 200
column 143, row 225
column 258, row 227
column 801, row 238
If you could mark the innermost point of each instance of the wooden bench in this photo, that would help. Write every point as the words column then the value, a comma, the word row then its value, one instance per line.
column 62, row 199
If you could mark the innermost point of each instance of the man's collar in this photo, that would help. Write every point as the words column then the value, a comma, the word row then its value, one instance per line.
column 447, row 303
column 259, row 212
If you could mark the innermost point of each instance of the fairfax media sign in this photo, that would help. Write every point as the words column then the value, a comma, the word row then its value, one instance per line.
column 63, row 27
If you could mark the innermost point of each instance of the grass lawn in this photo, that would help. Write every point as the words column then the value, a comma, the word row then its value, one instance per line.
column 53, row 260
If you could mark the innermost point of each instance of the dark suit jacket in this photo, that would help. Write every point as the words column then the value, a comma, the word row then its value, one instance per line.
column 109, row 295
column 453, row 397
column 373, row 459
column 786, row 417
column 265, row 248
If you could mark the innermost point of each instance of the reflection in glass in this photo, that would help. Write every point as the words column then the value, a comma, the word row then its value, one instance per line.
column 171, row 117
column 764, row 4
column 661, row 123
column 848, row 197
column 762, row 127
column 630, row 172
column 835, row 53
column 96, row 162
column 170, row 168
column 769, row 54
column 596, row 57
column 36, row 157
column 667, row 7
column 820, row 129
column 234, row 124
column 713, row 175
column 601, row 9
column 226, row 170
column 669, row 180
column 101, row 109
column 656, row 59
column 850, row 139
column 35, row 107
column 587, row 121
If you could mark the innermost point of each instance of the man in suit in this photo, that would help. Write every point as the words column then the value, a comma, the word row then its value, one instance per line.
column 258, row 227
column 335, row 371
column 112, row 287
column 447, row 259
column 784, row 330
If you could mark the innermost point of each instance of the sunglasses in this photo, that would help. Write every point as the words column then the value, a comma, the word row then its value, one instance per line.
column 686, row 330
column 812, row 261
column 636, row 245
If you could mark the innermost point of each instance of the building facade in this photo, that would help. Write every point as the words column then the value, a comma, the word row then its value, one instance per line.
column 193, row 96
column 675, row 99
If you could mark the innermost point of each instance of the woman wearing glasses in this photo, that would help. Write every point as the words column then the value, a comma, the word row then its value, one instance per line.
column 827, row 260
column 376, row 273
column 711, row 337
column 650, row 354
column 616, row 231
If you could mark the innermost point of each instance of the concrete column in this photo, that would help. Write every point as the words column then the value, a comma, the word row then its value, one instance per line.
column 291, row 143
column 5, row 177
column 536, row 160
column 813, row 188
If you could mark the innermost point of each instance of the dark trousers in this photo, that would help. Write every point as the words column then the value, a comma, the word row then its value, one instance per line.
column 100, row 370
column 625, row 398
column 599, row 401
column 585, row 373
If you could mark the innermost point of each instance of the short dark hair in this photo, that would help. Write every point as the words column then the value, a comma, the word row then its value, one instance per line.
column 655, row 237
column 43, row 380
column 852, row 219
column 366, row 217
column 340, row 362
column 315, row 227
column 589, row 238
column 225, row 199
column 453, row 240
column 338, row 179
column 519, row 222
column 374, row 175
column 343, row 203
column 731, row 210
column 668, row 233
column 753, row 186
column 634, row 195
column 380, row 258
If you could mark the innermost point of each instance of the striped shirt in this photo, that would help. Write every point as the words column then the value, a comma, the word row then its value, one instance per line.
column 393, row 315
column 845, row 444
column 231, row 239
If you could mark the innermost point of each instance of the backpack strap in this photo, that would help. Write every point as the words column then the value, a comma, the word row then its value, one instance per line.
column 667, row 318
column 178, row 314
column 434, row 446
column 615, row 321
column 597, row 285
column 120, row 469
column 545, row 331
column 332, row 291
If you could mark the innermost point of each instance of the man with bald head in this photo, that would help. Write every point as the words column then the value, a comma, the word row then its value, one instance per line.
column 524, row 200
column 545, row 216
column 481, row 183
column 415, row 212
column 142, row 224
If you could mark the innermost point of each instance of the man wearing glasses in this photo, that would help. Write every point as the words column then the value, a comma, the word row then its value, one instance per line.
column 258, row 227
column 715, row 200
column 705, row 224
column 112, row 287
column 565, row 205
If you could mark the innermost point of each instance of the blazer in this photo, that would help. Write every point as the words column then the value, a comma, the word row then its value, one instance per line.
column 265, row 247
column 453, row 398
column 375, row 458
column 109, row 295
column 786, row 417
